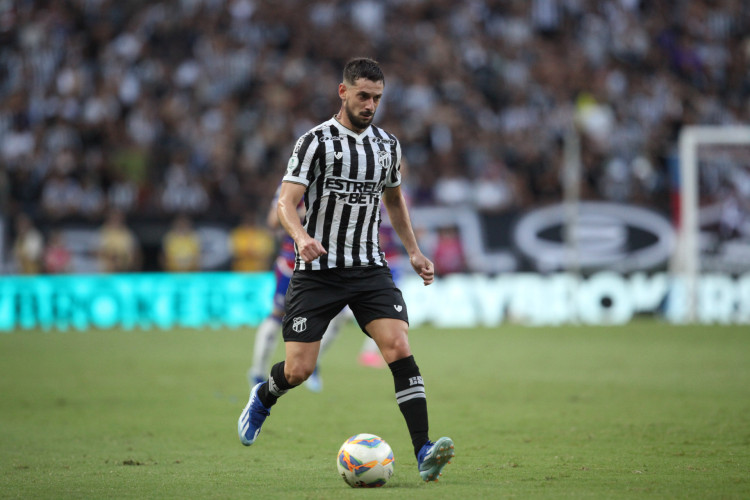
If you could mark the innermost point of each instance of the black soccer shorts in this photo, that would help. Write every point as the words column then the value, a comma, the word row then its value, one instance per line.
column 315, row 297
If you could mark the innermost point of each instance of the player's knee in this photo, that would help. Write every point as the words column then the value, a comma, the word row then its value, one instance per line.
column 396, row 348
column 297, row 373
column 401, row 348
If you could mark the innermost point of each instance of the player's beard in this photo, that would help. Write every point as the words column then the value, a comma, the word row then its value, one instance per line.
column 357, row 121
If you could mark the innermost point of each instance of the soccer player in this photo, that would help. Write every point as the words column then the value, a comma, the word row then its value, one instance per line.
column 342, row 169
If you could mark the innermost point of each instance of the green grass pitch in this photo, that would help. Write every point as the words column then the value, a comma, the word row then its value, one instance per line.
column 646, row 410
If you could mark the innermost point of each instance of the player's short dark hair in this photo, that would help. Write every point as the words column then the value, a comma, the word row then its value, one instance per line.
column 362, row 67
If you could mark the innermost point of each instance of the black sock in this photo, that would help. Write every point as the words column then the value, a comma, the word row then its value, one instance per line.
column 276, row 386
column 411, row 399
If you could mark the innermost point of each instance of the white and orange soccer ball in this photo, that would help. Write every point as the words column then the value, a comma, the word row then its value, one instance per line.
column 365, row 461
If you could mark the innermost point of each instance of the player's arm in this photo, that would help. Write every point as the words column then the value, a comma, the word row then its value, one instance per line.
column 399, row 216
column 272, row 219
column 286, row 209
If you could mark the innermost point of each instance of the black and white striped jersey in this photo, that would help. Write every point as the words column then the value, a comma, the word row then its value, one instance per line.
column 345, row 174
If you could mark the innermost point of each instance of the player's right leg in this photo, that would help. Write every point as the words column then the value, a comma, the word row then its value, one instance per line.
column 266, row 337
column 252, row 417
column 299, row 363
column 311, row 303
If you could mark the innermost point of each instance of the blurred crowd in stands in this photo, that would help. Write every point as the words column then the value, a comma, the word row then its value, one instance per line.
column 191, row 107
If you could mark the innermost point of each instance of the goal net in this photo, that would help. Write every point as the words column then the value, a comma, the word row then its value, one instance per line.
column 711, row 265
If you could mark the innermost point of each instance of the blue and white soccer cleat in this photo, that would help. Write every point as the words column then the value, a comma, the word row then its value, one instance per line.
column 252, row 418
column 433, row 457
column 315, row 382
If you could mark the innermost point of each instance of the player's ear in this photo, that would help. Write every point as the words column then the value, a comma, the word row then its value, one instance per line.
column 342, row 91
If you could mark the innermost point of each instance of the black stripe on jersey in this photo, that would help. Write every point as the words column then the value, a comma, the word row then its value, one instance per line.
column 353, row 158
column 337, row 148
column 317, row 166
column 394, row 158
column 327, row 222
column 369, row 247
column 394, row 170
column 301, row 150
column 356, row 247
column 341, row 237
column 370, row 161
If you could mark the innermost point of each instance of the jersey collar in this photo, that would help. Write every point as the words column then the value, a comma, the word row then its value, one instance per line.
column 347, row 131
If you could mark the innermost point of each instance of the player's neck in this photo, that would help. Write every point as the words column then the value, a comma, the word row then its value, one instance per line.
column 341, row 118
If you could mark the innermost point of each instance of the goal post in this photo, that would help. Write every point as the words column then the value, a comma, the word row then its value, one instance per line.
column 685, row 263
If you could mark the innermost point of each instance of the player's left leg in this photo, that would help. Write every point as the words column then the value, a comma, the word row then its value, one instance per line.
column 391, row 336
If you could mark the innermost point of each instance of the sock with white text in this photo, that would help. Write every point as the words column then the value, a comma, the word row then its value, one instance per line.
column 411, row 399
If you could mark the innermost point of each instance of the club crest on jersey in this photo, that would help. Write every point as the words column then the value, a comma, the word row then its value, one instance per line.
column 338, row 155
column 384, row 158
column 299, row 324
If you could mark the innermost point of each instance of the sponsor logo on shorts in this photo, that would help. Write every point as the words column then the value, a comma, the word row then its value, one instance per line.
column 299, row 324
column 398, row 307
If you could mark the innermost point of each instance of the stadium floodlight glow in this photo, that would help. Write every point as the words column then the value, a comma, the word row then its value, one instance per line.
column 686, row 261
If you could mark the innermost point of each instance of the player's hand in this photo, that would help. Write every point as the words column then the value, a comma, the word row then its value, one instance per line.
column 423, row 267
column 310, row 249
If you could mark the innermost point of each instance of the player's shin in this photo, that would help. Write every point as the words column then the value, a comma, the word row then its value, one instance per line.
column 411, row 399
column 276, row 387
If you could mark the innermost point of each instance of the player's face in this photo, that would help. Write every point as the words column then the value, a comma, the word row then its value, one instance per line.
column 360, row 101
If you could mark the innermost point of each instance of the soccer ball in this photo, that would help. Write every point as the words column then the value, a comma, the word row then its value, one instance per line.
column 365, row 461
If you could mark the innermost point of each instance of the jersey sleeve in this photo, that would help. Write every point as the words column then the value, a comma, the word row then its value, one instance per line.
column 394, row 175
column 299, row 169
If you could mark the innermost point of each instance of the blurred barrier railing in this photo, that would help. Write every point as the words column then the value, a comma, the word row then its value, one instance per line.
column 221, row 300
column 127, row 301
column 466, row 300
